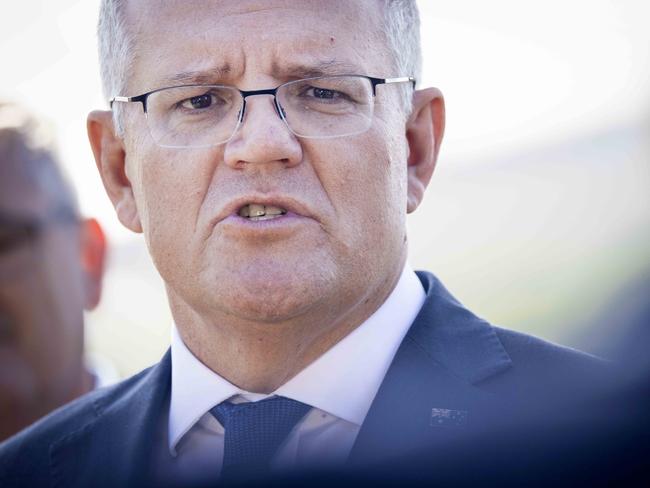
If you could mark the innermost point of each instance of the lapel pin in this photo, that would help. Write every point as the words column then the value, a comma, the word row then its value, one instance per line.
column 444, row 417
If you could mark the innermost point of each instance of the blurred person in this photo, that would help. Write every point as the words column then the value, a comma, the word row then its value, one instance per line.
column 51, row 265
column 269, row 152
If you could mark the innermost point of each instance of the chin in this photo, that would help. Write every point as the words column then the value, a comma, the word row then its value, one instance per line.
column 273, row 293
column 272, row 306
column 269, row 312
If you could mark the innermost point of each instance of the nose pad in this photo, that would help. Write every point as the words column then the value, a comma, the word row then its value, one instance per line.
column 279, row 109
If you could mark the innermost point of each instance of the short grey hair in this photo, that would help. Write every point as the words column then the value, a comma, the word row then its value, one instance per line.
column 116, row 52
column 403, row 34
column 117, row 46
column 403, row 39
column 26, row 146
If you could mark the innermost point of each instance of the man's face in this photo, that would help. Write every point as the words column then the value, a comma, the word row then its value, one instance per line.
column 343, row 238
column 41, row 302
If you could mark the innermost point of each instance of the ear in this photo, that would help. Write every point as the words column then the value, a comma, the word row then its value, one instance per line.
column 93, row 254
column 110, row 158
column 424, row 130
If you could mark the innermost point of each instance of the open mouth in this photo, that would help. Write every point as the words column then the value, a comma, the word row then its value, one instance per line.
column 255, row 211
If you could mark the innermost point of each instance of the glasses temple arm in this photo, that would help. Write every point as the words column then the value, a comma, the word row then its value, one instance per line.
column 140, row 98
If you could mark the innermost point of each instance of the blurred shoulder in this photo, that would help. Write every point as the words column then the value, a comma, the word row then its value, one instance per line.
column 24, row 458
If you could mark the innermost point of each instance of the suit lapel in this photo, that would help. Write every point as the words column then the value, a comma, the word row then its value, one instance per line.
column 116, row 448
column 428, row 396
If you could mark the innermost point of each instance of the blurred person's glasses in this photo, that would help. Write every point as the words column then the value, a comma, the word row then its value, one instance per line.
column 193, row 116
column 16, row 232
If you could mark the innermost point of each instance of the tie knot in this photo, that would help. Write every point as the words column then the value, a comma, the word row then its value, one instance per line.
column 254, row 431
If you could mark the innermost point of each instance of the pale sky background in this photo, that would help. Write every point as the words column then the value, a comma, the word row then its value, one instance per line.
column 539, row 204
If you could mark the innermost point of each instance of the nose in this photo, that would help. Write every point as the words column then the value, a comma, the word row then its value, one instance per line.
column 263, row 137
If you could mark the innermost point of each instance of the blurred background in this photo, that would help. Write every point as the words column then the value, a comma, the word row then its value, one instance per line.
column 538, row 214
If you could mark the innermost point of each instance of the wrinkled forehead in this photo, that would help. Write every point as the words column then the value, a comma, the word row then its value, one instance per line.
column 247, row 42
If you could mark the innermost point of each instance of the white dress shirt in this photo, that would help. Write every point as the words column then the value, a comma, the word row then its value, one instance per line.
column 339, row 386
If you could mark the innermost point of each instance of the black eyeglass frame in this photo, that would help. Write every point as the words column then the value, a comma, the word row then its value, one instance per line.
column 374, row 81
column 268, row 91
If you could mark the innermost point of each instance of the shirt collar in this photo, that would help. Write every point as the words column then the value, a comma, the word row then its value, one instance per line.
column 343, row 381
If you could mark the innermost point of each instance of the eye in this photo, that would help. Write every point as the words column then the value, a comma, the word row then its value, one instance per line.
column 199, row 102
column 324, row 93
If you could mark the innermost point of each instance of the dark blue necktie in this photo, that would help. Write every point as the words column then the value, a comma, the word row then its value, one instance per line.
column 253, row 433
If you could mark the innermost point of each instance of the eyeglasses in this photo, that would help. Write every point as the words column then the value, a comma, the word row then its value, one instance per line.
column 194, row 116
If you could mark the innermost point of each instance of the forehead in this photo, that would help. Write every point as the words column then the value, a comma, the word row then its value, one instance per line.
column 238, row 40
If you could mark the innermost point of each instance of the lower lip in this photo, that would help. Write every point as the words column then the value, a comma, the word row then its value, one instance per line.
column 284, row 223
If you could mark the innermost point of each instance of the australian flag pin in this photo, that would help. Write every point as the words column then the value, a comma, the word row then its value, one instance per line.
column 444, row 417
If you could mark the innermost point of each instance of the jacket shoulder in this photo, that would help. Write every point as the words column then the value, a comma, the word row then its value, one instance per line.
column 25, row 457
column 531, row 349
column 542, row 367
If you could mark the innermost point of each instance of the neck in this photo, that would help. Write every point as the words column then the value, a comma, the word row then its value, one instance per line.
column 260, row 356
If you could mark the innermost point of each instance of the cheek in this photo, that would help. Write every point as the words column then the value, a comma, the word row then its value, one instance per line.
column 48, row 335
column 62, row 305
column 170, row 187
column 367, row 182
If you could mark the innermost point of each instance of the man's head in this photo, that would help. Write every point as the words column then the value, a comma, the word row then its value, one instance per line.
column 339, row 250
column 50, row 269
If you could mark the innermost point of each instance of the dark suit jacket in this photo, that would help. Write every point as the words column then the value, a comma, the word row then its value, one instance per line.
column 452, row 373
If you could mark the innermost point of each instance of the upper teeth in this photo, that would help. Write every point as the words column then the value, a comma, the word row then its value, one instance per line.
column 253, row 210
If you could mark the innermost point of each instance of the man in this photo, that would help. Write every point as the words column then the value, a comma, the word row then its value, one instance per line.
column 51, row 266
column 269, row 152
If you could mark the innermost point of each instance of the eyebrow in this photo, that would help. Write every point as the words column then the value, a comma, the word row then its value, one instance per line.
column 288, row 71
column 202, row 77
column 320, row 68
